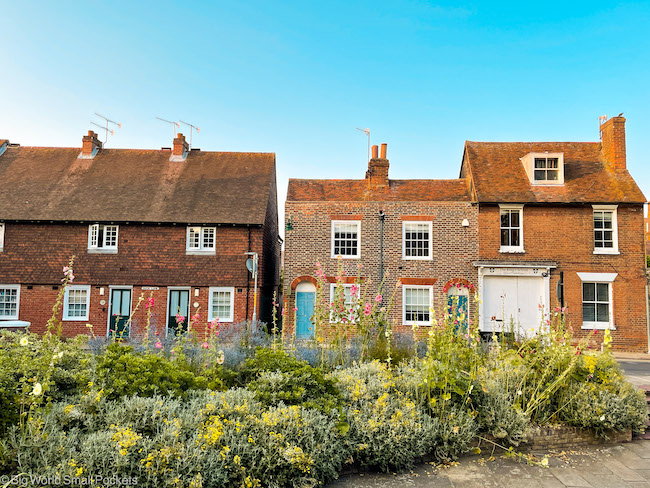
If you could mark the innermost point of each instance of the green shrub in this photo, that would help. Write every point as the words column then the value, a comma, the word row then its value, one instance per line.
column 454, row 430
column 499, row 414
column 268, row 360
column 122, row 372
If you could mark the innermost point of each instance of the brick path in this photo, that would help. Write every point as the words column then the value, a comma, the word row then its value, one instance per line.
column 621, row 466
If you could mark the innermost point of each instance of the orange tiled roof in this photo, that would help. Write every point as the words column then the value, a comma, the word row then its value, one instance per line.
column 357, row 190
column 499, row 176
column 47, row 183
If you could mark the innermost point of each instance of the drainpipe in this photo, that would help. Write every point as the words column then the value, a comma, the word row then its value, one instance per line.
column 382, row 217
column 248, row 278
column 647, row 315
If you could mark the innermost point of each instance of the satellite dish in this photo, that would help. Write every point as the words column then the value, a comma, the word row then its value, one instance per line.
column 250, row 265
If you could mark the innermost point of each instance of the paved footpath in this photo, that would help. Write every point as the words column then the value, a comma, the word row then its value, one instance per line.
column 620, row 466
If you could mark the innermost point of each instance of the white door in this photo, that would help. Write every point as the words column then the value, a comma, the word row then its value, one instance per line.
column 512, row 303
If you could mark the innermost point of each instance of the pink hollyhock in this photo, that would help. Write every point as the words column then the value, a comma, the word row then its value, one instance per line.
column 378, row 298
column 368, row 309
column 158, row 345
column 205, row 345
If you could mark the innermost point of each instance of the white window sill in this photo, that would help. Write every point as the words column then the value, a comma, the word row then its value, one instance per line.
column 516, row 250
column 613, row 252
column 597, row 326
column 418, row 324
column 75, row 319
column 14, row 323
column 102, row 251
column 418, row 258
column 209, row 252
column 334, row 256
column 221, row 321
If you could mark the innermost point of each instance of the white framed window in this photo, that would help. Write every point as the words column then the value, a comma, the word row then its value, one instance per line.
column 511, row 228
column 102, row 238
column 597, row 300
column 201, row 239
column 346, row 238
column 544, row 168
column 9, row 302
column 416, row 304
column 349, row 300
column 417, row 241
column 2, row 236
column 221, row 304
column 76, row 302
column 605, row 229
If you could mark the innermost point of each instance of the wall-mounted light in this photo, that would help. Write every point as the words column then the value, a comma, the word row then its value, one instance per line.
column 465, row 223
column 289, row 225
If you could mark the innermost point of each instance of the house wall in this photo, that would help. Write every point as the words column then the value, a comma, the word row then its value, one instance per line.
column 454, row 248
column 148, row 255
column 564, row 234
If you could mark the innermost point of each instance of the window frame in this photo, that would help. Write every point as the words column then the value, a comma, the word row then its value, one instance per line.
column 201, row 249
column 332, row 227
column 529, row 165
column 429, row 223
column 103, row 248
column 333, row 292
column 2, row 236
column 66, row 296
column 17, row 288
column 214, row 289
column 417, row 287
column 598, row 278
column 520, row 247
column 614, row 211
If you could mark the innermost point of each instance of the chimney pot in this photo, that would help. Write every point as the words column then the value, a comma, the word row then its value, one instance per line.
column 383, row 150
column 90, row 144
column 181, row 146
column 377, row 174
column 612, row 145
column 375, row 152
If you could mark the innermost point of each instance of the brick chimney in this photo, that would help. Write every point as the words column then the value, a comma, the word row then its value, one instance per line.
column 612, row 142
column 180, row 146
column 377, row 174
column 90, row 145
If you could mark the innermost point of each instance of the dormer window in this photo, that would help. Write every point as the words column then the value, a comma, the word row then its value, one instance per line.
column 102, row 238
column 544, row 168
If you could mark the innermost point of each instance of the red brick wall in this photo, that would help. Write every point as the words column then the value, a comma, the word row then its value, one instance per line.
column 454, row 246
column 149, row 255
column 564, row 234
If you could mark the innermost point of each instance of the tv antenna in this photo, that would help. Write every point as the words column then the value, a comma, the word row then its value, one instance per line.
column 192, row 127
column 366, row 131
column 174, row 125
column 106, row 127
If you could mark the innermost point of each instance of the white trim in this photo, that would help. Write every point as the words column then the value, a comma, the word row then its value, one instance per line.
column 520, row 247
column 189, row 299
column 598, row 277
column 417, row 258
column 14, row 323
column 2, row 236
column 201, row 250
column 333, row 223
column 93, row 244
column 606, row 250
column 599, row 325
column 12, row 317
column 229, row 289
column 333, row 293
column 416, row 287
column 66, row 295
column 529, row 166
column 110, row 304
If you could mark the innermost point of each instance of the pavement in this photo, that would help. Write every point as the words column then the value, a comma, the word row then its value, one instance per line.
column 625, row 465
column 621, row 466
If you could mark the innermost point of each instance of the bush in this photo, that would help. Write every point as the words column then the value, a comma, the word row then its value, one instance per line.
column 122, row 372
column 268, row 360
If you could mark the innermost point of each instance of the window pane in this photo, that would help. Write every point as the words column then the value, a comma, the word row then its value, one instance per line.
column 540, row 163
column 505, row 219
column 514, row 237
column 514, row 218
column 552, row 163
column 540, row 175
column 551, row 175
column 588, row 292
column 8, row 302
column 602, row 292
column 602, row 312
column 208, row 238
column 221, row 305
column 193, row 239
column 589, row 312
column 345, row 239
column 416, row 240
column 505, row 237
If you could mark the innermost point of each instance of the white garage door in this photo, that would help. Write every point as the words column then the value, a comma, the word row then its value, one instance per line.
column 512, row 300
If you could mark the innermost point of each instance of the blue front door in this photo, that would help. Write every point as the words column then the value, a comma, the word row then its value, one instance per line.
column 457, row 310
column 305, row 305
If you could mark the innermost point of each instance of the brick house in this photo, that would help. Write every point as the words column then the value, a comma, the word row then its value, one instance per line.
column 536, row 226
column 422, row 232
column 175, row 223
column 560, row 225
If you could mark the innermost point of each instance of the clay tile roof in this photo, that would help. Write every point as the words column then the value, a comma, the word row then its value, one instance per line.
column 357, row 190
column 119, row 185
column 499, row 176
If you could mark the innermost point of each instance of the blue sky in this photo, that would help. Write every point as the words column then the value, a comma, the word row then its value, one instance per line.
column 296, row 78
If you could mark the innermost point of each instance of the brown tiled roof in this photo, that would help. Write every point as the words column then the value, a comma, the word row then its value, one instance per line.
column 499, row 176
column 357, row 190
column 40, row 183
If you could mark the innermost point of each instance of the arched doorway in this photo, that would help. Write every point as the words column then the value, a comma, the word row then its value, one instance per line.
column 305, row 295
column 458, row 306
